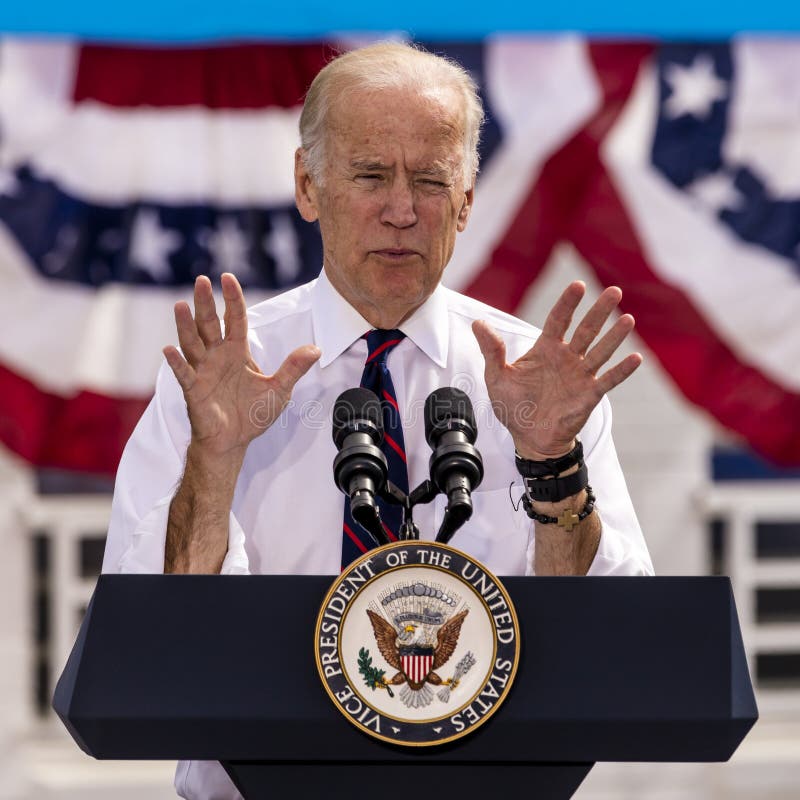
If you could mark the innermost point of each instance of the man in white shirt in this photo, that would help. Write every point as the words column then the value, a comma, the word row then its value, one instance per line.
column 243, row 482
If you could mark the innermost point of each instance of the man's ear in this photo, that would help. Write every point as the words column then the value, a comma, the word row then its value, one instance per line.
column 305, row 190
column 463, row 214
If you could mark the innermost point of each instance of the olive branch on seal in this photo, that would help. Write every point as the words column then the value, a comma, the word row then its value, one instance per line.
column 373, row 677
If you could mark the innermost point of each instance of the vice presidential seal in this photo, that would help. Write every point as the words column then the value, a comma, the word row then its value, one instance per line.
column 417, row 643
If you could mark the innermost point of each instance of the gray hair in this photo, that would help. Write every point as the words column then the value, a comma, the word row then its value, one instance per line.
column 388, row 65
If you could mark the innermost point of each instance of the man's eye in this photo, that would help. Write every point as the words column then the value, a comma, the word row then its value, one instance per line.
column 368, row 176
column 431, row 182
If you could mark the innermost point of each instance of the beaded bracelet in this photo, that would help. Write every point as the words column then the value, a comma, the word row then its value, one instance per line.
column 568, row 519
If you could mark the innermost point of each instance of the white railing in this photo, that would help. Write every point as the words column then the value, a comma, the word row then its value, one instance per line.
column 66, row 520
column 742, row 505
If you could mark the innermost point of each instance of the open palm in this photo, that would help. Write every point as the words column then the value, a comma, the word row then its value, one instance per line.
column 229, row 400
column 545, row 397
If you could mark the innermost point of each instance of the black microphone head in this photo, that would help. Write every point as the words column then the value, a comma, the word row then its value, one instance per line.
column 357, row 410
column 448, row 409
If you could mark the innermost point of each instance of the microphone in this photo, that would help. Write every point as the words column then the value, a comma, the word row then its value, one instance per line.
column 360, row 468
column 456, row 466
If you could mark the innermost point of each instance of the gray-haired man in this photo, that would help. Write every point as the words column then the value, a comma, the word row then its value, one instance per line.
column 242, row 483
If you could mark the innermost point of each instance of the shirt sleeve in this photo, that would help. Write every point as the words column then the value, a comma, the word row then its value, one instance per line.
column 148, row 477
column 622, row 549
column 204, row 780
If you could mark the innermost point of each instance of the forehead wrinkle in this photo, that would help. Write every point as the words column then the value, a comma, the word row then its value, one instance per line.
column 364, row 142
column 447, row 118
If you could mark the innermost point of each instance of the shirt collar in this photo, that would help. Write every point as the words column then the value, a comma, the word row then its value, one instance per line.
column 337, row 324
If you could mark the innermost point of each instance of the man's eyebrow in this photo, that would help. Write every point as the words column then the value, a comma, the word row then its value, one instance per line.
column 441, row 171
column 435, row 170
column 370, row 165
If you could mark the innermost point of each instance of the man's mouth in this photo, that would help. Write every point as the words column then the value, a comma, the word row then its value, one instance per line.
column 395, row 253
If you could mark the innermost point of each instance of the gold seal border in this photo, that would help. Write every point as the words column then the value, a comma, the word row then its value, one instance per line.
column 398, row 546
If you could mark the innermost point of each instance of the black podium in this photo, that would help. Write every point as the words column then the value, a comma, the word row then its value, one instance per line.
column 213, row 667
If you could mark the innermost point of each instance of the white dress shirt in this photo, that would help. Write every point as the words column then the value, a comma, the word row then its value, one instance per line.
column 287, row 511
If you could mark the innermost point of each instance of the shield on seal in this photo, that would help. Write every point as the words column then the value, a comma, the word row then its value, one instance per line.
column 416, row 662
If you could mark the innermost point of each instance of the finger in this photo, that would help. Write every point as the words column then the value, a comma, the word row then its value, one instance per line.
column 492, row 347
column 235, row 308
column 205, row 312
column 560, row 316
column 194, row 350
column 608, row 344
column 618, row 373
column 591, row 325
column 182, row 371
column 295, row 365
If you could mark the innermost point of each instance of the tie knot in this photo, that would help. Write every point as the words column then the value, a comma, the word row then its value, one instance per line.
column 380, row 343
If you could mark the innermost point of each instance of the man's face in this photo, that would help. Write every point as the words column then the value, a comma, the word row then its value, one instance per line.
column 392, row 199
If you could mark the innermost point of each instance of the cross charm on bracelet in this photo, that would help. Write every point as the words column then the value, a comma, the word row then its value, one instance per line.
column 568, row 520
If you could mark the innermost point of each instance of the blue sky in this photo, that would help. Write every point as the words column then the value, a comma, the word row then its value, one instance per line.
column 183, row 20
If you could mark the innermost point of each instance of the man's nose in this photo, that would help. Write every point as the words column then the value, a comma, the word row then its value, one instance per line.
column 399, row 209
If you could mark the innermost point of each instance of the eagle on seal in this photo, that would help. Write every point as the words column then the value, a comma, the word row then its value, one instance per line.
column 408, row 648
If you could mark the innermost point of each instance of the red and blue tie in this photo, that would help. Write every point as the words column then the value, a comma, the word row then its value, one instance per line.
column 377, row 378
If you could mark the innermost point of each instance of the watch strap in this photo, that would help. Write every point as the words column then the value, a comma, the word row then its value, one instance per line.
column 551, row 490
column 550, row 466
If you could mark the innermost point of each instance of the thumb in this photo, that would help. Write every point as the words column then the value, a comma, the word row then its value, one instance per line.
column 295, row 365
column 492, row 347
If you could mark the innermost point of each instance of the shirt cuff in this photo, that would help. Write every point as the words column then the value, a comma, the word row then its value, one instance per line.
column 145, row 555
column 614, row 557
column 611, row 557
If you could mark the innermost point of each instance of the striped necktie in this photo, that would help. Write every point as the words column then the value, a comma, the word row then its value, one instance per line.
column 377, row 378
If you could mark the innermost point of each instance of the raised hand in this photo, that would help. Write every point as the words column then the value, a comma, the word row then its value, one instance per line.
column 229, row 400
column 545, row 397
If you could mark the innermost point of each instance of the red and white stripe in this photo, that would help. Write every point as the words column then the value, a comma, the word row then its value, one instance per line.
column 716, row 312
column 77, row 364
column 416, row 667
